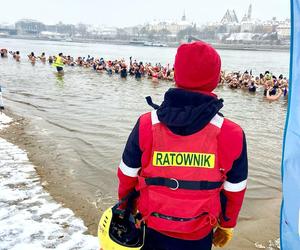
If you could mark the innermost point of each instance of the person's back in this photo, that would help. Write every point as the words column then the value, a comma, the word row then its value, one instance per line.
column 187, row 161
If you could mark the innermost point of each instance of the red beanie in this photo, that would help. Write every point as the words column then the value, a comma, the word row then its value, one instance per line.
column 197, row 66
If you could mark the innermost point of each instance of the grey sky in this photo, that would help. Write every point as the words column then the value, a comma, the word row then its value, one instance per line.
column 131, row 12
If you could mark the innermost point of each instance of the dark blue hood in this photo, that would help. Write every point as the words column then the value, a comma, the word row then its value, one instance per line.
column 186, row 112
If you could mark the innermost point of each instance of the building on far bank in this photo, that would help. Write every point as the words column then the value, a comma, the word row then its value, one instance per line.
column 7, row 29
column 229, row 23
column 53, row 36
column 247, row 23
column 61, row 28
column 284, row 30
column 171, row 26
column 229, row 30
column 229, row 17
column 29, row 27
column 106, row 32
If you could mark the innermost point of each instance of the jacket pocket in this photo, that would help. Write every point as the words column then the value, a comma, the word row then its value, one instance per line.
column 181, row 211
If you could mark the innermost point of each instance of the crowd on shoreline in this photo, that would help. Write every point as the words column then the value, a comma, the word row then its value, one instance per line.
column 273, row 87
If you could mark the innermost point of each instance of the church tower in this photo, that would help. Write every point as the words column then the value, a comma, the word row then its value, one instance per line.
column 183, row 17
column 250, row 12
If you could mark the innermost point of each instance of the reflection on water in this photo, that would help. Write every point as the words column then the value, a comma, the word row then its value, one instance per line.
column 59, row 79
column 84, row 117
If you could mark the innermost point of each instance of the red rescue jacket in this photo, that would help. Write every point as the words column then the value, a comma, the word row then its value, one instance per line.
column 180, row 183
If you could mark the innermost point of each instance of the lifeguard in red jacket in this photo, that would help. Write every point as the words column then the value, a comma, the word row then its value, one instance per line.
column 187, row 161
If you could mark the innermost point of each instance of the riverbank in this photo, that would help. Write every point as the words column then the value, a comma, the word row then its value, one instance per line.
column 29, row 217
column 221, row 46
column 53, row 179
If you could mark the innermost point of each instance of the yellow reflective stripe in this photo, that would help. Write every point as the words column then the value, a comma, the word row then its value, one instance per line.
column 183, row 159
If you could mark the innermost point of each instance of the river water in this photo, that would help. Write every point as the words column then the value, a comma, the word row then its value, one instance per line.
column 83, row 119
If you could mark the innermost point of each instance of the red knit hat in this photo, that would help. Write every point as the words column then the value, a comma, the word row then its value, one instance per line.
column 197, row 66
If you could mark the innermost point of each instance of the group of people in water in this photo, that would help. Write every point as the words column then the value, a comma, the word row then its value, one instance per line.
column 273, row 87
column 136, row 69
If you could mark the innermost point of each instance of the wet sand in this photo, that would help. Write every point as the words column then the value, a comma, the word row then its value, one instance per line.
column 55, row 181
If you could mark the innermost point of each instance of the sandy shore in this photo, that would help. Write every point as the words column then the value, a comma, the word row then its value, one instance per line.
column 55, row 181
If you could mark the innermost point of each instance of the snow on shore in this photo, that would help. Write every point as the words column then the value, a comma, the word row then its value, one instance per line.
column 4, row 120
column 29, row 217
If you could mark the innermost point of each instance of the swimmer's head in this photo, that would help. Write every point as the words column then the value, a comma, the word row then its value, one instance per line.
column 60, row 54
column 268, row 76
column 197, row 67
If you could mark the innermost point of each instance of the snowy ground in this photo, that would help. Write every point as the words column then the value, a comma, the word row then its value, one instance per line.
column 29, row 217
column 272, row 245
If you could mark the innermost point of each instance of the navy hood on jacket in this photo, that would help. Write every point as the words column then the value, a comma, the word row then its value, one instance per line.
column 186, row 112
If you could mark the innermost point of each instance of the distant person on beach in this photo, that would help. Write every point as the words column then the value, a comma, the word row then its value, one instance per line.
column 188, row 163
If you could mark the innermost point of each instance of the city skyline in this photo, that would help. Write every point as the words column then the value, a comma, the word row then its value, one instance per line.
column 125, row 15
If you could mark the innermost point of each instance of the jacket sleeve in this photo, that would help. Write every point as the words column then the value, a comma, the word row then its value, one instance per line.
column 130, row 163
column 234, row 189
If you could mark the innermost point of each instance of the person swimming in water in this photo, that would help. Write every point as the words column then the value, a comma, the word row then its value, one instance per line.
column 3, row 53
column 32, row 58
column 50, row 59
column 252, row 87
column 59, row 63
column 16, row 56
column 42, row 57
column 271, row 96
column 123, row 71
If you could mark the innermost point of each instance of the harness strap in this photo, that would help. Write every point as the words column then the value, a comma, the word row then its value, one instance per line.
column 150, row 102
column 179, row 184
column 129, row 199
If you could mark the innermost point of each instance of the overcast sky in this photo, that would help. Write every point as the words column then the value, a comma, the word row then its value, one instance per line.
column 132, row 12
